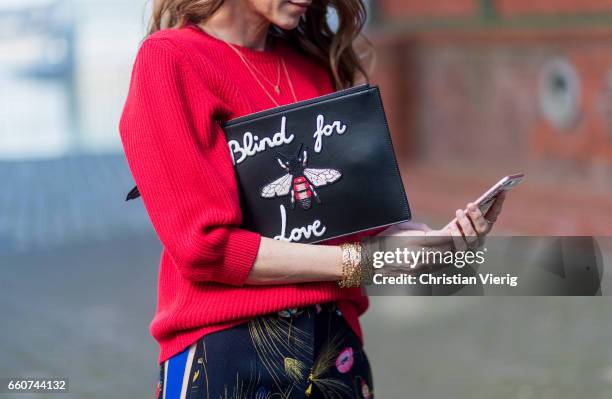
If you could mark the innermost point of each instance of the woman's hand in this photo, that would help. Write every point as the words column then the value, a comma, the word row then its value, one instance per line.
column 470, row 227
column 467, row 231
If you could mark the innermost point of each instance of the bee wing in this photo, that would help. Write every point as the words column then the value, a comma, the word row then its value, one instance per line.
column 278, row 188
column 321, row 177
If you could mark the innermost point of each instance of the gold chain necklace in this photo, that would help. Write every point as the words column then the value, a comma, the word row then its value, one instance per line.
column 252, row 69
column 276, row 85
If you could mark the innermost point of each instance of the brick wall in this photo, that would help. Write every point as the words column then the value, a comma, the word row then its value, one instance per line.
column 463, row 8
column 417, row 8
column 466, row 92
column 465, row 106
column 523, row 7
column 465, row 109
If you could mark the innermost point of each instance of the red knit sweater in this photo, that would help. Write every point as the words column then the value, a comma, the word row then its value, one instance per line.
column 185, row 83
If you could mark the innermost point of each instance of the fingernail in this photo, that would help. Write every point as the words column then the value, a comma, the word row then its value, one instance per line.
column 472, row 207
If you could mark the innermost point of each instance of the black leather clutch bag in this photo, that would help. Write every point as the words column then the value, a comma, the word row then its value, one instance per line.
column 317, row 169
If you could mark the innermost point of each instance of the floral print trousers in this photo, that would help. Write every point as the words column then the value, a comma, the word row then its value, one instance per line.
column 306, row 352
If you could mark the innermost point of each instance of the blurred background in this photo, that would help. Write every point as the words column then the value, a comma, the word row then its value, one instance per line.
column 474, row 90
column 477, row 89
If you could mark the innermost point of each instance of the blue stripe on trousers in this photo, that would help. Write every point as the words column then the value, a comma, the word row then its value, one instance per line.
column 176, row 372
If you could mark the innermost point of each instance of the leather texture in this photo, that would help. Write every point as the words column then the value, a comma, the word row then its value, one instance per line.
column 327, row 164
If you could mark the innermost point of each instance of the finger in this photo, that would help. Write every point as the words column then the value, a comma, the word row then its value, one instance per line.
column 496, row 208
column 478, row 220
column 458, row 240
column 469, row 217
column 466, row 227
column 451, row 223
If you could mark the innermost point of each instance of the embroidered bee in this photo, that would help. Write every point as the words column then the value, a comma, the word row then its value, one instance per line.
column 300, row 181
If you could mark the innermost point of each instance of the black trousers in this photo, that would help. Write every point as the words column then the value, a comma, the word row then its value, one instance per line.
column 296, row 353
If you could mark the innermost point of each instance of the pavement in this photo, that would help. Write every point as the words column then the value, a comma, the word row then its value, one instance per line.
column 82, row 312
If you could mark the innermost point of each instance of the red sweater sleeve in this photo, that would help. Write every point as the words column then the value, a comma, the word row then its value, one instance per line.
column 180, row 161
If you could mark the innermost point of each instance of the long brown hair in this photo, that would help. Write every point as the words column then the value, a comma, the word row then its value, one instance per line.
column 313, row 35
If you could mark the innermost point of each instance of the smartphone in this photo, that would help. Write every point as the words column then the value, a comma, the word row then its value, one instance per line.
column 487, row 199
column 505, row 184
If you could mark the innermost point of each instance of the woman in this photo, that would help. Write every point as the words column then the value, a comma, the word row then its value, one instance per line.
column 241, row 315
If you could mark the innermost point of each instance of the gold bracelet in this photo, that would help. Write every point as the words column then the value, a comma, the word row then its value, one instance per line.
column 352, row 266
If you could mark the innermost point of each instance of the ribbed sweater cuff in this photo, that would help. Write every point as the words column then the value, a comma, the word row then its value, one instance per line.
column 241, row 251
